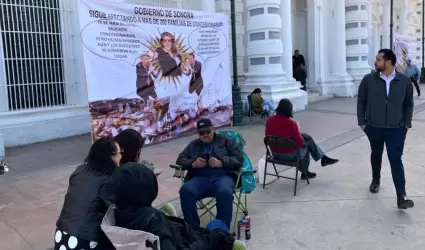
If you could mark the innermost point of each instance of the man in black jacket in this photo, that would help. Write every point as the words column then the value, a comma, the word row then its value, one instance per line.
column 384, row 112
column 211, row 161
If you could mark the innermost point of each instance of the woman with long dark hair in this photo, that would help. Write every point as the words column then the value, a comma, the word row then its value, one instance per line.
column 131, row 143
column 88, row 198
column 283, row 125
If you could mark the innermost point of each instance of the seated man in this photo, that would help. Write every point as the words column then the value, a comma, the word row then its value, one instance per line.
column 258, row 103
column 283, row 125
column 135, row 188
column 209, row 161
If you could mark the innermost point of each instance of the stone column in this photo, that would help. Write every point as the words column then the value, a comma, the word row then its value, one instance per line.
column 357, row 29
column 286, row 34
column 386, row 19
column 339, row 83
column 3, row 81
column 208, row 5
column 265, row 53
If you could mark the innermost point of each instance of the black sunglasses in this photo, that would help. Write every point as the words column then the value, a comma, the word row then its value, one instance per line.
column 206, row 132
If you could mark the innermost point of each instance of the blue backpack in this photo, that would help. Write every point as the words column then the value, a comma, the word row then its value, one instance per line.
column 247, row 178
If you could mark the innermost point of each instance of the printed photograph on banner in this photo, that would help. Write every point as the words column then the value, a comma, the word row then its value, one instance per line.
column 155, row 70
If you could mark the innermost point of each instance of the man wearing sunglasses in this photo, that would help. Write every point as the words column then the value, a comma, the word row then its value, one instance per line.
column 211, row 161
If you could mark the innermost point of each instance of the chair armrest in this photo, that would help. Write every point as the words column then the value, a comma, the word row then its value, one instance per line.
column 175, row 166
column 179, row 172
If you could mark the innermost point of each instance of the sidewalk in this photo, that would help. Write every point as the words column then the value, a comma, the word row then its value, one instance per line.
column 335, row 212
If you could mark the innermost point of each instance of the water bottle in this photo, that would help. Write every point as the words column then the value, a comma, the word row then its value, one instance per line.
column 241, row 229
column 247, row 220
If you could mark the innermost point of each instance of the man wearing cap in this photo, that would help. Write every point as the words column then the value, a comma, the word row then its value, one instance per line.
column 211, row 161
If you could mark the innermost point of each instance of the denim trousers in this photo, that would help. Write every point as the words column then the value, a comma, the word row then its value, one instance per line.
column 198, row 188
column 310, row 148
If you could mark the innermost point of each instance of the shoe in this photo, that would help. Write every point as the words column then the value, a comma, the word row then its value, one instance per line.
column 374, row 186
column 168, row 209
column 310, row 175
column 326, row 161
column 403, row 203
column 239, row 245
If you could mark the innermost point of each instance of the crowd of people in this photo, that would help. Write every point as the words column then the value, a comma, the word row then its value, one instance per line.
column 113, row 175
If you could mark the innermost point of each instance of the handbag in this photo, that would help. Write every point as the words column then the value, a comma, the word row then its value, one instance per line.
column 126, row 239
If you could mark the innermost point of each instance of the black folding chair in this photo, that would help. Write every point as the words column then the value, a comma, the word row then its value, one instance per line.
column 283, row 143
column 252, row 113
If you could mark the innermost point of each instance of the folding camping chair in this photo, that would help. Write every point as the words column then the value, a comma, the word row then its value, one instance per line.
column 284, row 143
column 262, row 115
column 209, row 203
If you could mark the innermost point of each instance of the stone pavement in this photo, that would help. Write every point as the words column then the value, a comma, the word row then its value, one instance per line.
column 335, row 212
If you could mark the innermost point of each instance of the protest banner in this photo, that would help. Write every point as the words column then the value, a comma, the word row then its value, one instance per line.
column 153, row 69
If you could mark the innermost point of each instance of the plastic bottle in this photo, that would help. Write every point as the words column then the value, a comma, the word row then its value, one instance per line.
column 247, row 220
column 241, row 229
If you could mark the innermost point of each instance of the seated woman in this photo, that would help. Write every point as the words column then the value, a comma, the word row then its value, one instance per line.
column 259, row 104
column 134, row 211
column 131, row 144
column 88, row 198
column 283, row 125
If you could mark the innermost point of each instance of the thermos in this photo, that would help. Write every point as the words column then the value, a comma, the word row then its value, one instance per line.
column 241, row 229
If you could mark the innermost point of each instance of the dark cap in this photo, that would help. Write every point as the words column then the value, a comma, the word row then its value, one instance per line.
column 203, row 124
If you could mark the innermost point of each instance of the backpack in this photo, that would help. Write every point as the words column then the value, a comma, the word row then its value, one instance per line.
column 248, row 182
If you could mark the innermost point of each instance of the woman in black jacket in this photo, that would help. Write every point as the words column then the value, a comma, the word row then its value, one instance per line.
column 87, row 199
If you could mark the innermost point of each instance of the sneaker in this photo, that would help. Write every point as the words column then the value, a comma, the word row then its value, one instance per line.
column 403, row 203
column 168, row 209
column 239, row 245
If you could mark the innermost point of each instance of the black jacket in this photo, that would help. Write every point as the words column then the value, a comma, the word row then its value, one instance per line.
column 224, row 149
column 136, row 187
column 86, row 202
column 376, row 109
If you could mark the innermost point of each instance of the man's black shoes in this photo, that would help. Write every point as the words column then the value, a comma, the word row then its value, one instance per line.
column 310, row 175
column 374, row 186
column 403, row 203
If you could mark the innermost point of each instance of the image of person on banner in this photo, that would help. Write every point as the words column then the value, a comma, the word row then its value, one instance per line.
column 145, row 84
column 168, row 57
column 196, row 82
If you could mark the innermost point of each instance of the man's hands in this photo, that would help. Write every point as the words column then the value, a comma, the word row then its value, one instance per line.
column 212, row 162
column 199, row 163
column 215, row 163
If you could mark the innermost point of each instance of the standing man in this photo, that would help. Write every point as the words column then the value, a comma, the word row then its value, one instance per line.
column 298, row 59
column 412, row 71
column 384, row 112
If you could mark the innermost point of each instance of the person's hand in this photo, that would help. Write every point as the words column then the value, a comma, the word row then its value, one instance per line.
column 199, row 163
column 363, row 127
column 407, row 128
column 215, row 163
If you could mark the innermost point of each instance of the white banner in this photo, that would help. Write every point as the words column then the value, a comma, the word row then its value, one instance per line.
column 153, row 69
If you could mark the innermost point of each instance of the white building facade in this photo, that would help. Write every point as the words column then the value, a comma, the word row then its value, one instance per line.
column 43, row 92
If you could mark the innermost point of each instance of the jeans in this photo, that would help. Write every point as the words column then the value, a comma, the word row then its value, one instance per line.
column 393, row 138
column 268, row 106
column 198, row 188
column 310, row 148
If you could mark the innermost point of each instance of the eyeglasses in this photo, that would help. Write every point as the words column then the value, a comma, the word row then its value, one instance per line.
column 167, row 40
column 119, row 152
column 206, row 132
